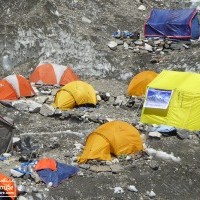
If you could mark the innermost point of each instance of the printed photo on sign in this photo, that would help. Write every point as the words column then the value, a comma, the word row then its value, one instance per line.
column 158, row 98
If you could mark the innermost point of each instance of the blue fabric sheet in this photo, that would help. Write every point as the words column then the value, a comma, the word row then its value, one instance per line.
column 2, row 158
column 164, row 129
column 63, row 172
column 25, row 167
column 124, row 34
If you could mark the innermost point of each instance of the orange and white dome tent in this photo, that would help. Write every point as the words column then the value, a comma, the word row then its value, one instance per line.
column 53, row 74
column 15, row 86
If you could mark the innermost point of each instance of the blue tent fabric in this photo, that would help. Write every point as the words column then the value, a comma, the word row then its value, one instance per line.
column 177, row 24
column 164, row 129
column 26, row 167
column 63, row 172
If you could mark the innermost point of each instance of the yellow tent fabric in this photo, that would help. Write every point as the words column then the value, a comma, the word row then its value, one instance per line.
column 138, row 85
column 184, row 107
column 116, row 137
column 75, row 93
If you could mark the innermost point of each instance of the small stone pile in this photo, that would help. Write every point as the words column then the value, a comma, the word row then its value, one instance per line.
column 42, row 104
column 152, row 45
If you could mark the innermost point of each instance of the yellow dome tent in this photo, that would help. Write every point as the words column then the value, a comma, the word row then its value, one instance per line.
column 75, row 93
column 138, row 84
column 116, row 137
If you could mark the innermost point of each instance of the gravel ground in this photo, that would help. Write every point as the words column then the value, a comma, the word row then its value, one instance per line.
column 57, row 33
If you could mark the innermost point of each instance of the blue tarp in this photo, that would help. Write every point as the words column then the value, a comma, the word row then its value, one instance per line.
column 164, row 129
column 63, row 172
column 26, row 167
column 175, row 24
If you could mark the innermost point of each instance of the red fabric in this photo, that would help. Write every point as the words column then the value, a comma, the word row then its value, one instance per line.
column 7, row 92
column 44, row 73
column 25, row 87
column 46, row 163
column 68, row 76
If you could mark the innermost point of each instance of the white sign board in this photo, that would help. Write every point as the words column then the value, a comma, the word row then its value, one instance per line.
column 158, row 98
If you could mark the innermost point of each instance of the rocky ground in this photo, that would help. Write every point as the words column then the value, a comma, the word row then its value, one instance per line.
column 77, row 33
column 56, row 136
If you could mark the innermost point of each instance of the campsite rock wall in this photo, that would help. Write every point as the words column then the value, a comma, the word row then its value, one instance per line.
column 73, row 33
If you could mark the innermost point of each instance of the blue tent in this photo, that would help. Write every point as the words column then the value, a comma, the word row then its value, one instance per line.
column 175, row 24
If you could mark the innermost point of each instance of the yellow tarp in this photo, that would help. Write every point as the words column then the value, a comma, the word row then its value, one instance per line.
column 184, row 108
column 116, row 137
column 75, row 93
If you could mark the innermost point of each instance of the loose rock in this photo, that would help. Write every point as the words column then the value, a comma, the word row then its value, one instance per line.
column 156, row 135
column 116, row 168
column 151, row 194
column 47, row 110
column 95, row 168
column 183, row 134
column 154, row 165
column 142, row 8
column 112, row 45
column 118, row 190
column 86, row 20
column 132, row 188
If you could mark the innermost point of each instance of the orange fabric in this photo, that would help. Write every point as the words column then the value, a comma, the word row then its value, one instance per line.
column 44, row 73
column 7, row 184
column 46, row 163
column 123, row 137
column 7, row 92
column 25, row 87
column 138, row 84
column 116, row 137
column 75, row 93
column 68, row 76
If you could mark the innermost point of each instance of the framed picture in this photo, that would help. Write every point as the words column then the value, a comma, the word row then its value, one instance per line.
column 156, row 98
